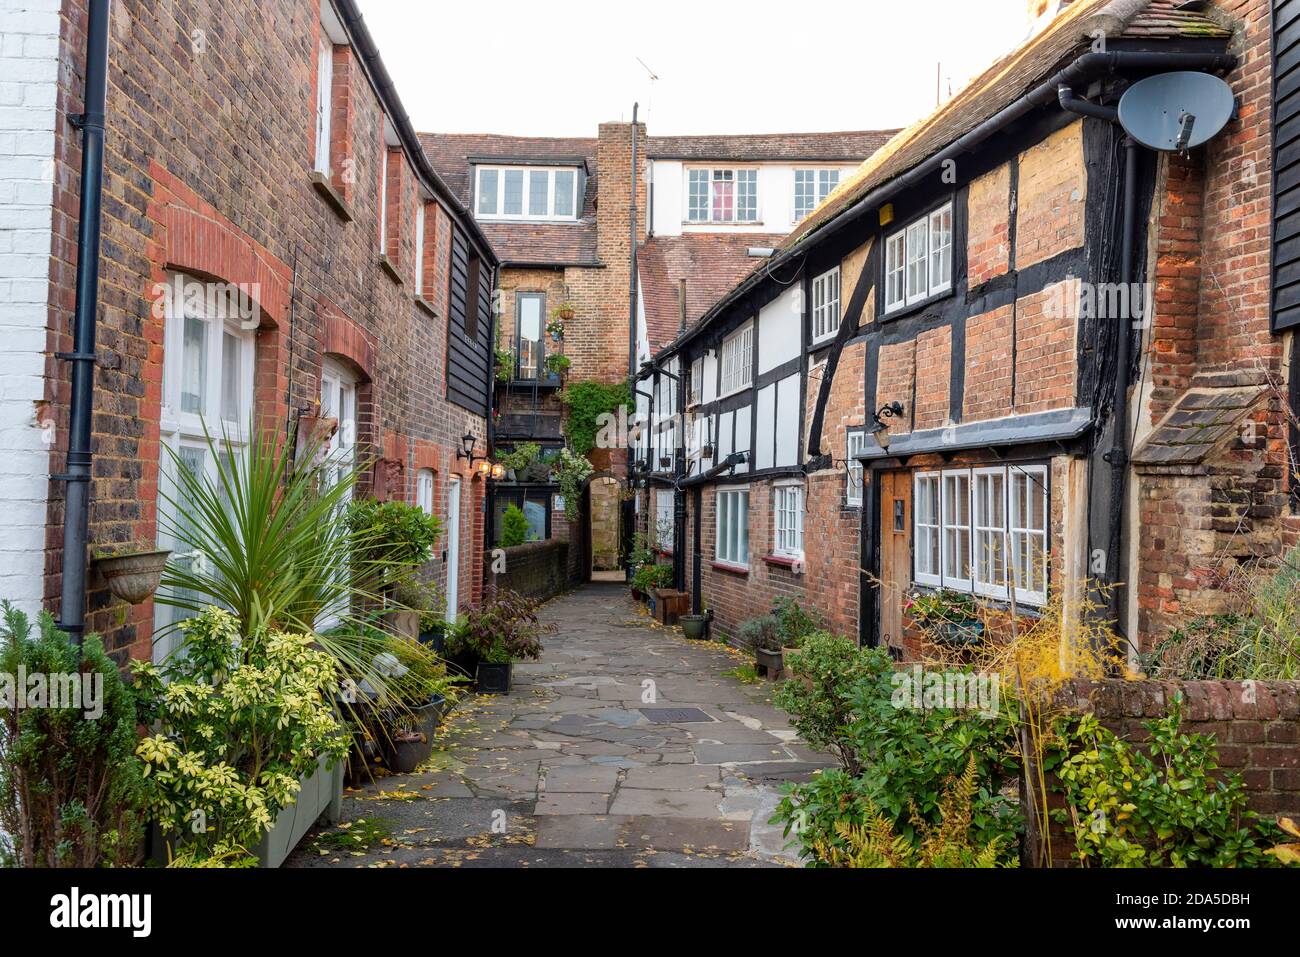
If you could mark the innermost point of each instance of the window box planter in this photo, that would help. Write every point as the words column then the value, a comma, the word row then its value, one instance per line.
column 320, row 800
column 495, row 677
column 133, row 576
column 961, row 633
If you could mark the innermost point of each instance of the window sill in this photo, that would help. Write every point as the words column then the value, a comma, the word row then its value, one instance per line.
column 732, row 222
column 782, row 561
column 917, row 306
column 730, row 568
column 387, row 265
column 320, row 182
column 426, row 306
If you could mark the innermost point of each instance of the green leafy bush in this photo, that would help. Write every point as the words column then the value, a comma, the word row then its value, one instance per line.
column 237, row 720
column 70, row 786
column 514, row 527
column 896, row 761
column 796, row 623
column 393, row 538
column 1162, row 805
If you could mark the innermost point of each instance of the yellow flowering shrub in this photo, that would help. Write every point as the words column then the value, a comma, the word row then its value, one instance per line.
column 237, row 721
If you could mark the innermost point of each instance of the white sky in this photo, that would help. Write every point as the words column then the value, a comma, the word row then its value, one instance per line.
column 558, row 69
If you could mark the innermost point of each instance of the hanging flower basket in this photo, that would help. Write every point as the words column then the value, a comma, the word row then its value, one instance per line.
column 133, row 576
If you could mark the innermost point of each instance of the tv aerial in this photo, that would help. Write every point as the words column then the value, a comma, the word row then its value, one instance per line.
column 1174, row 112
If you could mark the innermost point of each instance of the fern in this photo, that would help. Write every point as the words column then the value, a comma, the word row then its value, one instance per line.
column 946, row 844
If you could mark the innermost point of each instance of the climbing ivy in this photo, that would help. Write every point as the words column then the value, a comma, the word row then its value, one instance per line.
column 587, row 402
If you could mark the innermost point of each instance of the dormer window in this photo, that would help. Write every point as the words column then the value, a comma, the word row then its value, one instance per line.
column 722, row 196
column 526, row 192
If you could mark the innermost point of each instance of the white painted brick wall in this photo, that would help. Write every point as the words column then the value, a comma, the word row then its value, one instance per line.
column 29, row 67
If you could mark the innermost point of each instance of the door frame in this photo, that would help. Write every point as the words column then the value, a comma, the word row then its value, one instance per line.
column 453, row 547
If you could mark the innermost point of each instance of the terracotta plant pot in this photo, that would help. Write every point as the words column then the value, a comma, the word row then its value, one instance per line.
column 133, row 577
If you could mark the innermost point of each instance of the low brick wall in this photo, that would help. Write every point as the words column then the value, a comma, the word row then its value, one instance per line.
column 536, row 569
column 1256, row 725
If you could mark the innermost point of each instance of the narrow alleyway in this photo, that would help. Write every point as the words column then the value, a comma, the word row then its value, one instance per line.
column 593, row 760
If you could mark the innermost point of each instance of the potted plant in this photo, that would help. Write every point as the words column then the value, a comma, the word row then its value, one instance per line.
column 762, row 636
column 502, row 630
column 555, row 328
column 133, row 575
column 564, row 311
column 649, row 578
column 945, row 616
column 794, row 624
column 696, row 627
column 557, row 364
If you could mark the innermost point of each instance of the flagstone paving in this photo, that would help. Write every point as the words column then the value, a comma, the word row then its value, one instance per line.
column 567, row 771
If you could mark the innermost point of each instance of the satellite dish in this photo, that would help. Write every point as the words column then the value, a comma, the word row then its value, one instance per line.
column 1176, row 111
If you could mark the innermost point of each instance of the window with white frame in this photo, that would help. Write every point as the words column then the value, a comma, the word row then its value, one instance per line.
column 918, row 259
column 383, row 202
column 207, row 388
column 324, row 102
column 424, row 490
column 1028, row 518
column 976, row 529
column 826, row 305
column 696, row 382
column 787, row 501
column 664, row 523
column 855, row 442
column 811, row 186
column 738, row 360
column 731, row 546
column 338, row 400
column 722, row 196
column 527, row 192
column 925, row 535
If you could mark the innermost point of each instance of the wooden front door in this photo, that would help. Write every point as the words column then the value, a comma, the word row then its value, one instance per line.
column 895, row 553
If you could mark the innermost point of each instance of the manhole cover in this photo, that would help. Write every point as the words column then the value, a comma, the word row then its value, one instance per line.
column 675, row 715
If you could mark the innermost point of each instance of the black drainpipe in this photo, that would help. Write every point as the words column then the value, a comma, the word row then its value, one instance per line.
column 1117, row 457
column 72, row 606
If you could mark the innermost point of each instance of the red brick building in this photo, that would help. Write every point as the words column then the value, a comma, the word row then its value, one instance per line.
column 560, row 213
column 950, row 376
column 256, row 151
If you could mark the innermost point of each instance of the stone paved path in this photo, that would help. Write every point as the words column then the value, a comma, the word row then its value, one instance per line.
column 567, row 770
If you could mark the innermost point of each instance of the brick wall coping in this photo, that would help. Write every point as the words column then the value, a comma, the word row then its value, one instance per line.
column 1202, row 700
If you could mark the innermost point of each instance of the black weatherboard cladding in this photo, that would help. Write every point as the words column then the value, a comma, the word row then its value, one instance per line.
column 1286, row 164
column 468, row 349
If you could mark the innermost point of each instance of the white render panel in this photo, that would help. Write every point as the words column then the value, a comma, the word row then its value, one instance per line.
column 787, row 421
column 766, row 427
column 710, row 391
column 778, row 329
column 29, row 72
column 668, row 179
column 725, row 421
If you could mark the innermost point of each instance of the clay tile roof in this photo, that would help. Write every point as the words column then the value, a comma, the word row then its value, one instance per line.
column 847, row 147
column 1203, row 417
column 711, row 263
column 1004, row 82
column 557, row 244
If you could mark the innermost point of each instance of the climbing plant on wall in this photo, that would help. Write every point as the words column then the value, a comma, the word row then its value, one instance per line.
column 587, row 402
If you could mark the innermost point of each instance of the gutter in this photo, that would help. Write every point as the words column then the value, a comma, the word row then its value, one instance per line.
column 1088, row 67
column 72, row 604
column 356, row 28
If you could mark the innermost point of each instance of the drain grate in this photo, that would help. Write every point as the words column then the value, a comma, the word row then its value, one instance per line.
column 675, row 715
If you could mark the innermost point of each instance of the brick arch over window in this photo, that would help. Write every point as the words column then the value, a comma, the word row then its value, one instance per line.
column 189, row 236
